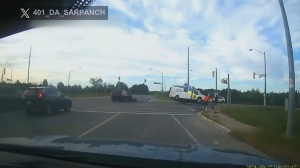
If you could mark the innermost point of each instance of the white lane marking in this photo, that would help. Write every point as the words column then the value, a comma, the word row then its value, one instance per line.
column 122, row 109
column 137, row 112
column 215, row 142
column 205, row 118
column 188, row 108
column 188, row 132
column 90, row 130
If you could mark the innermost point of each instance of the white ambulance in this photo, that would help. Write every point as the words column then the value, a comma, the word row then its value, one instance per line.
column 185, row 93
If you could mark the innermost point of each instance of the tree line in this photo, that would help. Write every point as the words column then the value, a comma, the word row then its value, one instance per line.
column 250, row 97
column 97, row 86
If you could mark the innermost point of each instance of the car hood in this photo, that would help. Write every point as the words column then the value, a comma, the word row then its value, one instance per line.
column 142, row 149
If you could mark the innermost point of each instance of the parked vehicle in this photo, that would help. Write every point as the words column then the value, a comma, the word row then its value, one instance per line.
column 46, row 100
column 121, row 95
column 185, row 93
column 220, row 99
column 11, row 98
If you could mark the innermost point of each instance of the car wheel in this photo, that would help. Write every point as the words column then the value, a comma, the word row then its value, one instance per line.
column 68, row 107
column 199, row 100
column 176, row 97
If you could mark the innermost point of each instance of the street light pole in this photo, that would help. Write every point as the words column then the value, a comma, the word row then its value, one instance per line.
column 162, row 79
column 265, row 75
column 69, row 80
column 291, row 120
column 28, row 66
column 10, row 72
column 69, row 83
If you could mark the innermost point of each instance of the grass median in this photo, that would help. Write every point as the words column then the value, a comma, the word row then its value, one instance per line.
column 271, row 137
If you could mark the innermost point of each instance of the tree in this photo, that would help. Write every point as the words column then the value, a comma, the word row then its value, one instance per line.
column 122, row 85
column 96, row 82
column 45, row 82
column 18, row 82
column 60, row 86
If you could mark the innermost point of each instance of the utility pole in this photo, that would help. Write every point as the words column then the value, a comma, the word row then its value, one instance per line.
column 162, row 84
column 265, row 95
column 228, row 91
column 28, row 66
column 188, row 79
column 216, row 81
column 291, row 110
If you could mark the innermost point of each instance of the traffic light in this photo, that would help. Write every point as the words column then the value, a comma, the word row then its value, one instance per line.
column 254, row 75
column 145, row 80
column 224, row 81
column 119, row 78
column 213, row 73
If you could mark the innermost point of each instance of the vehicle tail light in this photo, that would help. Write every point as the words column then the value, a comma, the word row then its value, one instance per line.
column 40, row 94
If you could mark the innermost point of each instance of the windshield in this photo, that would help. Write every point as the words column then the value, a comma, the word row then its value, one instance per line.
column 131, row 75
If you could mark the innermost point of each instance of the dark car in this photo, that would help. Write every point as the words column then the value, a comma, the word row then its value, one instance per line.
column 10, row 98
column 121, row 95
column 46, row 100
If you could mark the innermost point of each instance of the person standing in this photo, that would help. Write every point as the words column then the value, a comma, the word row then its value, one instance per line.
column 216, row 103
column 206, row 101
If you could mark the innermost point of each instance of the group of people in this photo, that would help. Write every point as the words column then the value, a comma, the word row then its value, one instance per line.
column 206, row 101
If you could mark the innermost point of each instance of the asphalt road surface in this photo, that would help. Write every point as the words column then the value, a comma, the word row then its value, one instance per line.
column 147, row 119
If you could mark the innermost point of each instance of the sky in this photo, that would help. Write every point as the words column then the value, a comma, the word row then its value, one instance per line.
column 144, row 34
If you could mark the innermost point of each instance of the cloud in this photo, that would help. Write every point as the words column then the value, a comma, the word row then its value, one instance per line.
column 140, row 35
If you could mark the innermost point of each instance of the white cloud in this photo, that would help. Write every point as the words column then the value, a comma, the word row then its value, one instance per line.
column 218, row 33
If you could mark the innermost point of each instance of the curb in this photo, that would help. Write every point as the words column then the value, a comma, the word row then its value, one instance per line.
column 205, row 118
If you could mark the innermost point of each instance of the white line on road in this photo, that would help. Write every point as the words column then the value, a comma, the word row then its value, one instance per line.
column 215, row 142
column 90, row 130
column 135, row 112
column 188, row 132
column 188, row 108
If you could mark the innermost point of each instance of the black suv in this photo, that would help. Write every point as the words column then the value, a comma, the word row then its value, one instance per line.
column 121, row 95
column 46, row 100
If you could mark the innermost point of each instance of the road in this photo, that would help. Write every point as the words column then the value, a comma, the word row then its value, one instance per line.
column 148, row 119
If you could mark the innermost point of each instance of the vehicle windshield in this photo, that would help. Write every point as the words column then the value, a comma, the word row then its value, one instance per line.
column 135, row 71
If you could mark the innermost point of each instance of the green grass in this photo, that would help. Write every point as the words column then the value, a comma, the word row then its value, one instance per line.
column 271, row 137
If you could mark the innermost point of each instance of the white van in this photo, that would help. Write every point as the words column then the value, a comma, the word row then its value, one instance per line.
column 186, row 93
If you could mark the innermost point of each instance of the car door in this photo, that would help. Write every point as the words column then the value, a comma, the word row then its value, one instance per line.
column 61, row 99
column 184, row 94
column 126, row 95
column 50, row 98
